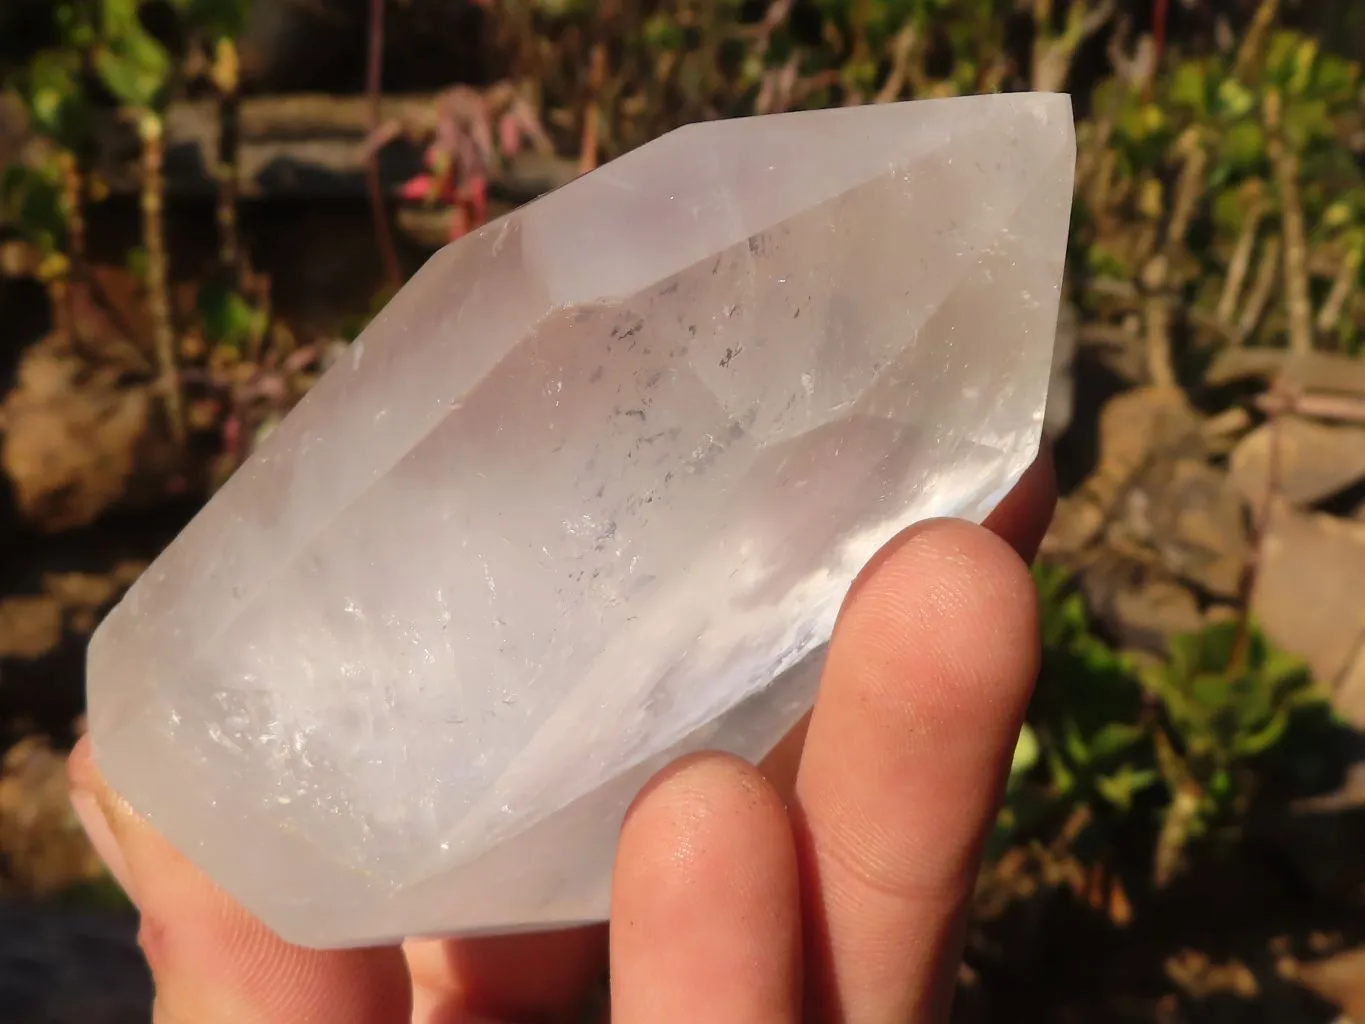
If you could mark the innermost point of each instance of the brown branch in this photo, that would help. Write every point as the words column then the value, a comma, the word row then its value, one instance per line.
column 158, row 287
column 1286, row 165
column 1240, row 264
column 1329, row 372
column 1254, row 41
column 72, row 287
column 903, row 50
column 1090, row 158
column 1343, row 286
column 1156, row 309
column 1104, row 196
column 1342, row 408
column 374, row 93
column 1267, row 270
column 226, row 79
column 1052, row 57
column 597, row 71
column 1189, row 187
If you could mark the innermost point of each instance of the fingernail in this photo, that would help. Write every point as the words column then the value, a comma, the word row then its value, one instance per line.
column 101, row 837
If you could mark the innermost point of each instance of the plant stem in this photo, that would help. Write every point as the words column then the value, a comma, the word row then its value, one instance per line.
column 1286, row 165
column 597, row 69
column 158, row 287
column 226, row 80
column 1266, row 271
column 1157, row 321
column 1348, row 273
column 1240, row 265
column 373, row 86
column 1250, row 50
column 73, row 284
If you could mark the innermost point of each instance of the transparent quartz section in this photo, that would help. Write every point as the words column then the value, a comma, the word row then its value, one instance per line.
column 585, row 497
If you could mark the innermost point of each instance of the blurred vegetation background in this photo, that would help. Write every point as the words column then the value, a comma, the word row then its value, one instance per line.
column 202, row 201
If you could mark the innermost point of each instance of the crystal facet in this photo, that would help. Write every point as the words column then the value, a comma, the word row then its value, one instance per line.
column 586, row 496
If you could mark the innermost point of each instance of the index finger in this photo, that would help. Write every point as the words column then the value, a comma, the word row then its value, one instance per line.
column 211, row 961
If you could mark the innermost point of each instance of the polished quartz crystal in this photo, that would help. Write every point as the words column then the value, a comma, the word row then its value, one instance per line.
column 586, row 496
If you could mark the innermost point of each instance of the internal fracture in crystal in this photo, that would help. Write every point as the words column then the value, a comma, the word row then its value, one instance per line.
column 586, row 497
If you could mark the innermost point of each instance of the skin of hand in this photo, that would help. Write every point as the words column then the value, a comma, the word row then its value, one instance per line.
column 830, row 884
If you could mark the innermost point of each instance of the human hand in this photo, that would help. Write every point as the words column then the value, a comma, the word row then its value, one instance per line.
column 829, row 884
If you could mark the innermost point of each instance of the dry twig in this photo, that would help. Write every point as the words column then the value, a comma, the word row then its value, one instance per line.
column 592, row 131
column 1252, row 43
column 1156, row 315
column 158, row 287
column 1343, row 285
column 1286, row 165
column 1240, row 264
column 1052, row 56
column 1267, row 269
column 226, row 79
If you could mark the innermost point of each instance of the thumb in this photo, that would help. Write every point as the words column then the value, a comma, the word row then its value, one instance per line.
column 212, row 962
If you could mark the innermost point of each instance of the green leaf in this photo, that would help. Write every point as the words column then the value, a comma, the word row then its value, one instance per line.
column 1189, row 87
column 132, row 65
column 1106, row 263
column 138, row 262
column 1114, row 738
column 1243, row 146
column 662, row 32
column 1261, row 740
column 1229, row 211
column 1335, row 80
column 51, row 89
column 228, row 318
column 1026, row 751
column 1304, row 58
column 31, row 202
column 1235, row 100
column 1122, row 786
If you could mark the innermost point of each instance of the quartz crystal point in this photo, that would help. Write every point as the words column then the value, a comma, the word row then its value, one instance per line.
column 586, row 496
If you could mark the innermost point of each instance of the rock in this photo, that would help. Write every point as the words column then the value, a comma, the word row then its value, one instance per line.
column 1145, row 614
column 78, row 442
column 1075, row 524
column 1197, row 525
column 1310, row 589
column 1199, row 977
column 30, row 626
column 1135, row 601
column 42, row 845
column 1314, row 461
column 1339, row 979
column 1331, row 373
column 1140, row 424
column 1137, row 428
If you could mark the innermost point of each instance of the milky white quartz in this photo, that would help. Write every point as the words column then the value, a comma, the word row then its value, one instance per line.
column 585, row 497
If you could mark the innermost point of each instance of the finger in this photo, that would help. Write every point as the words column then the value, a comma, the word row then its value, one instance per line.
column 514, row 977
column 212, row 962
column 705, row 904
column 1020, row 519
column 1024, row 514
column 925, row 687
